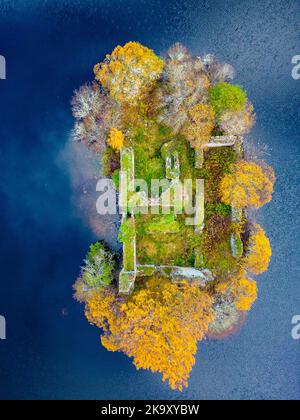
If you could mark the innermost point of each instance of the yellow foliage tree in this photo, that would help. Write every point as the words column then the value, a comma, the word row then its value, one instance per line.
column 158, row 325
column 260, row 251
column 246, row 294
column 240, row 290
column 248, row 184
column 200, row 126
column 115, row 139
column 129, row 72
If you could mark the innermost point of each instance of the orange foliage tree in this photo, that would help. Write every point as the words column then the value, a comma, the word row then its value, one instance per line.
column 129, row 71
column 158, row 325
column 115, row 139
column 260, row 251
column 248, row 184
column 200, row 126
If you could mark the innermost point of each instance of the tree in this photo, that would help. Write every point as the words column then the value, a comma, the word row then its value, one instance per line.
column 238, row 123
column 90, row 133
column 200, row 126
column 238, row 290
column 185, row 84
column 95, row 113
column 226, row 97
column 87, row 101
column 115, row 139
column 158, row 325
column 99, row 266
column 260, row 251
column 216, row 71
column 246, row 294
column 248, row 184
column 129, row 72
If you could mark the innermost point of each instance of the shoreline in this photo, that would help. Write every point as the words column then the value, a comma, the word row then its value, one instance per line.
column 233, row 329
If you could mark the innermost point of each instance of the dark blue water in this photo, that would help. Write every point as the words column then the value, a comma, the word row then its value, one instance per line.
column 50, row 48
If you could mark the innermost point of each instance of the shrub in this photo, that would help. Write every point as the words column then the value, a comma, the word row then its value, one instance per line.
column 227, row 97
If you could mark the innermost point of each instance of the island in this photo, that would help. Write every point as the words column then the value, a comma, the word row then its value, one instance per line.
column 171, row 135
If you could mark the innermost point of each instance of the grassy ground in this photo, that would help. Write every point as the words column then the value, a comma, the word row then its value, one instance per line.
column 162, row 240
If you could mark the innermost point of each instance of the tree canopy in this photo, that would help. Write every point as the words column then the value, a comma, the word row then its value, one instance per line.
column 260, row 251
column 240, row 290
column 129, row 71
column 248, row 185
column 98, row 268
column 115, row 139
column 95, row 113
column 200, row 125
column 239, row 123
column 226, row 97
column 158, row 325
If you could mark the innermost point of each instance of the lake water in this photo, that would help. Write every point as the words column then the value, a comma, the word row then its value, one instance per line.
column 47, row 205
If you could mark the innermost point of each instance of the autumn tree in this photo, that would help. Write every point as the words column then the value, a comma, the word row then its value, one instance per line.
column 226, row 97
column 248, row 184
column 260, row 251
column 87, row 101
column 239, row 290
column 129, row 72
column 246, row 294
column 217, row 71
column 185, row 84
column 95, row 113
column 200, row 126
column 238, row 123
column 158, row 325
column 115, row 139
